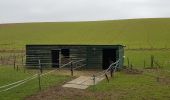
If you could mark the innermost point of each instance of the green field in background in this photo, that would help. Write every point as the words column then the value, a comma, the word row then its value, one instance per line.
column 134, row 33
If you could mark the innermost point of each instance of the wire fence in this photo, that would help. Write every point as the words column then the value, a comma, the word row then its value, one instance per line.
column 18, row 61
column 40, row 75
column 150, row 61
column 99, row 76
column 16, row 84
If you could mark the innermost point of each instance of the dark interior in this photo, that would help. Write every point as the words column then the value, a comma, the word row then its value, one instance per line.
column 55, row 58
column 109, row 56
column 65, row 53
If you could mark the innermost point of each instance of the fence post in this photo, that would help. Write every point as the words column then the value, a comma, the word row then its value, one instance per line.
column 107, row 77
column 39, row 81
column 71, row 69
column 22, row 60
column 17, row 68
column 14, row 62
column 94, row 79
column 144, row 64
column 39, row 74
column 152, row 61
column 1, row 60
column 111, row 72
column 128, row 61
column 40, row 67
column 131, row 66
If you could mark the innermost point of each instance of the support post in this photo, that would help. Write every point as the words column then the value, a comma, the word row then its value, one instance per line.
column 23, row 63
column 94, row 80
column 22, row 60
column 128, row 61
column 14, row 62
column 1, row 60
column 111, row 72
column 40, row 67
column 71, row 69
column 107, row 77
column 144, row 64
column 17, row 68
column 152, row 61
column 39, row 81
column 131, row 66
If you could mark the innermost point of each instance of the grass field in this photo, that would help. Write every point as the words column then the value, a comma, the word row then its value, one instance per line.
column 134, row 33
column 134, row 87
column 137, row 58
column 152, row 84
column 9, row 75
column 142, row 38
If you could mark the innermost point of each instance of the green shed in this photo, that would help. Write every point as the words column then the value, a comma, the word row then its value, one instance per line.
column 96, row 56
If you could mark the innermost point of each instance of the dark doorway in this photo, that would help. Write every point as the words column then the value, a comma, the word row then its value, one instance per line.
column 65, row 53
column 109, row 56
column 55, row 58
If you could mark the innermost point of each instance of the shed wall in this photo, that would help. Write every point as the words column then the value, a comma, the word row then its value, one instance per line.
column 92, row 54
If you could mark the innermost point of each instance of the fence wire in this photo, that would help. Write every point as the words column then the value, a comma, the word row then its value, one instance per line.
column 44, row 76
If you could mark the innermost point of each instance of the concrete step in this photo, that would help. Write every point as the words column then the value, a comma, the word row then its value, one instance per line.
column 82, row 82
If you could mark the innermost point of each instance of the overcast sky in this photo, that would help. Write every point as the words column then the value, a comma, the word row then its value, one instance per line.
column 16, row 11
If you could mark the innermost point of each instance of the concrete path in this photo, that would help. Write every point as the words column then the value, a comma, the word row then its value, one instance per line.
column 82, row 82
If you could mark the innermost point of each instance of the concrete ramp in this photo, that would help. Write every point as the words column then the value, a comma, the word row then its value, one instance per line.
column 82, row 82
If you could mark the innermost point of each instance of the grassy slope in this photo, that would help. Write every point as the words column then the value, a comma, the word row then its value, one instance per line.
column 8, row 75
column 134, row 87
column 134, row 33
column 142, row 33
column 137, row 58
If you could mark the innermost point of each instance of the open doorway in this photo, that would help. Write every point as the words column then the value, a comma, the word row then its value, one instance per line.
column 65, row 53
column 109, row 56
column 55, row 58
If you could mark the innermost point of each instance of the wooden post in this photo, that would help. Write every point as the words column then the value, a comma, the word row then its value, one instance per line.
column 40, row 67
column 71, row 69
column 131, row 66
column 111, row 72
column 22, row 60
column 128, row 61
column 152, row 61
column 39, row 81
column 107, row 77
column 1, row 60
column 17, row 67
column 39, row 74
column 14, row 62
column 94, row 79
column 144, row 64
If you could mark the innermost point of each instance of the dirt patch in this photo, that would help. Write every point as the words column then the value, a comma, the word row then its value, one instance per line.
column 63, row 93
column 132, row 71
column 163, row 80
column 152, row 68
column 60, row 93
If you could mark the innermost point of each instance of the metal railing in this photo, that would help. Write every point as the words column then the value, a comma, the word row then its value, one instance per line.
column 10, row 86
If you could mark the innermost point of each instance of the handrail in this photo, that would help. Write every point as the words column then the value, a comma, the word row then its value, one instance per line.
column 78, row 61
column 18, row 83
column 107, row 70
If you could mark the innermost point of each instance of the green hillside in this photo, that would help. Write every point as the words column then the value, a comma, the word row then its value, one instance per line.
column 134, row 33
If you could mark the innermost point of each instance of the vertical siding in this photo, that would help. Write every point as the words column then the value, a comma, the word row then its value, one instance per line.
column 94, row 57
column 121, row 57
column 92, row 54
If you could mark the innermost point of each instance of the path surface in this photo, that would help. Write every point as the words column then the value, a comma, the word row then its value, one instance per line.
column 82, row 82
